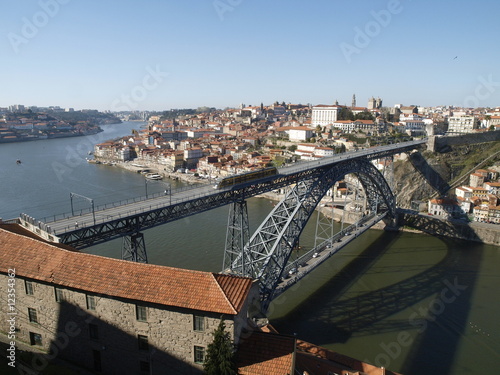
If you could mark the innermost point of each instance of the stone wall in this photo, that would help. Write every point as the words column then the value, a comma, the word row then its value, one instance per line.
column 488, row 234
column 64, row 329
column 436, row 144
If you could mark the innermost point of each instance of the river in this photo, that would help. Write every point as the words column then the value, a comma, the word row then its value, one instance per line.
column 409, row 302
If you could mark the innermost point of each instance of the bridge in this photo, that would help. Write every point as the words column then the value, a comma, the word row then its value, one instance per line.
column 264, row 256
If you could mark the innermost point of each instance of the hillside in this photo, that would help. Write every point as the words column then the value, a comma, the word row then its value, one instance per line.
column 411, row 185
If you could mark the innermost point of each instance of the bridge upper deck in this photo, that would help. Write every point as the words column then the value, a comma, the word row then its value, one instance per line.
column 146, row 213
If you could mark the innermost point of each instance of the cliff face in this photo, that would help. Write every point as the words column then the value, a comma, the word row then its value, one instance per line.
column 412, row 184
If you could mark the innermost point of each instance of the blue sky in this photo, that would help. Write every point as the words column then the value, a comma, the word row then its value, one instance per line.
column 162, row 54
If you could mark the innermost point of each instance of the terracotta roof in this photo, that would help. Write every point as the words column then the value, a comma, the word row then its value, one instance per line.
column 266, row 353
column 197, row 290
column 318, row 360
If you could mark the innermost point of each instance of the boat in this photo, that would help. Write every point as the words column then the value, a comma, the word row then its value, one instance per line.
column 154, row 176
column 18, row 161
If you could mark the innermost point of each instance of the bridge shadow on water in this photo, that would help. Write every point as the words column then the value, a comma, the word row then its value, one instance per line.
column 438, row 299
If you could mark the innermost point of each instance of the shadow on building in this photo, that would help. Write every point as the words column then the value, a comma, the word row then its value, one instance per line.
column 85, row 340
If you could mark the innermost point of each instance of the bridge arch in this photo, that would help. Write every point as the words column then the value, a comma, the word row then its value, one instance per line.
column 266, row 254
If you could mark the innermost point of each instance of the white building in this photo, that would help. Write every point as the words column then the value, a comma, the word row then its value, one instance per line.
column 324, row 114
column 308, row 151
column 462, row 124
column 413, row 124
column 444, row 207
column 492, row 187
column 300, row 133
column 348, row 126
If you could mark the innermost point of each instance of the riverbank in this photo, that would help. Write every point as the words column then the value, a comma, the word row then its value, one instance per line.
column 137, row 166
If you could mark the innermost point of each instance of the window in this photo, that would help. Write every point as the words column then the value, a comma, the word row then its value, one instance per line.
column 198, row 323
column 93, row 331
column 58, row 292
column 144, row 367
column 28, row 286
column 90, row 302
column 35, row 338
column 97, row 360
column 140, row 313
column 32, row 315
column 199, row 354
column 143, row 342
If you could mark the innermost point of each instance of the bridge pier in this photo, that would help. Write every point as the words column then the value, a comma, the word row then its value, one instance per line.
column 237, row 236
column 134, row 248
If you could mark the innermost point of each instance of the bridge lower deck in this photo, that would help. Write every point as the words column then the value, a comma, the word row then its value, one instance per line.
column 304, row 265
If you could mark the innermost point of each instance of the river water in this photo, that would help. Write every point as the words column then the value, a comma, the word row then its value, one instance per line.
column 410, row 302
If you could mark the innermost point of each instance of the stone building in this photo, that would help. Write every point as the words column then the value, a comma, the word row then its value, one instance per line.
column 114, row 316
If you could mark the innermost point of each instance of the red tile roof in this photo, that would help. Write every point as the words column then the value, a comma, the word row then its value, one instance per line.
column 197, row 290
column 266, row 353
column 317, row 360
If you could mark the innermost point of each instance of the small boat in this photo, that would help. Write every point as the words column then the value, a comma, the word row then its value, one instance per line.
column 154, row 176
column 18, row 161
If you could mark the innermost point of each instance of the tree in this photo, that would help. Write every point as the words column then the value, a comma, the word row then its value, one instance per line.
column 219, row 359
column 365, row 115
column 345, row 114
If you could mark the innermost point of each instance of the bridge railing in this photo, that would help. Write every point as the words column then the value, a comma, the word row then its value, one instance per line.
column 123, row 202
column 101, row 219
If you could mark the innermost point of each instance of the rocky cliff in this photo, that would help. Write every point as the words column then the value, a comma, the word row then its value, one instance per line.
column 440, row 170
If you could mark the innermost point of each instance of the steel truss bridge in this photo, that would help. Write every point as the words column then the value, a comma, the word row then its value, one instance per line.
column 266, row 253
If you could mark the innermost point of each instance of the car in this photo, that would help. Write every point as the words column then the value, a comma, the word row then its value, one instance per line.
column 292, row 271
column 315, row 255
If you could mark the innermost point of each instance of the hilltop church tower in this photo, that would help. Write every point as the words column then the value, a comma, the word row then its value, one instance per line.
column 374, row 103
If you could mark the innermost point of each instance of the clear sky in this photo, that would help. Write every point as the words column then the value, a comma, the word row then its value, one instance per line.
column 162, row 54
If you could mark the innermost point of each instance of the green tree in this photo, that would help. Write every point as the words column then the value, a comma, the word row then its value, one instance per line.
column 365, row 115
column 345, row 114
column 219, row 359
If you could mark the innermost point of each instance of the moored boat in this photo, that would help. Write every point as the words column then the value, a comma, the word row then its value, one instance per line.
column 153, row 176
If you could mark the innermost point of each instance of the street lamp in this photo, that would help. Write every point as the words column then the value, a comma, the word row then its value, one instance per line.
column 71, row 195
column 168, row 188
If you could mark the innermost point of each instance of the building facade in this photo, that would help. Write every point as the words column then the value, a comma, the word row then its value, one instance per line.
column 114, row 316
column 462, row 124
column 324, row 114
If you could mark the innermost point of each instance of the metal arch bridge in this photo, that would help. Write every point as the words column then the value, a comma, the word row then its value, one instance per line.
column 266, row 253
column 265, row 256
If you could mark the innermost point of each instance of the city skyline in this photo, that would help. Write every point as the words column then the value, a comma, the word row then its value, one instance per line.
column 221, row 53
